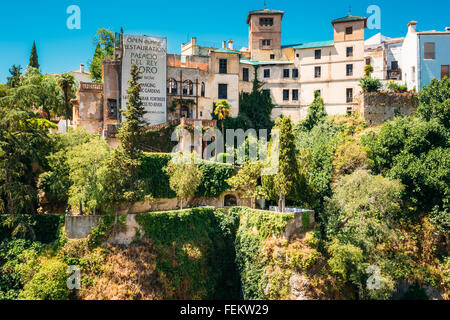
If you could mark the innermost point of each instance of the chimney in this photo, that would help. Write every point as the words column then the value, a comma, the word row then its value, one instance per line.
column 412, row 26
column 224, row 45
column 194, row 41
column 82, row 68
column 230, row 44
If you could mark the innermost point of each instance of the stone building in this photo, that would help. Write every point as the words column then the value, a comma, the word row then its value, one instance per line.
column 199, row 76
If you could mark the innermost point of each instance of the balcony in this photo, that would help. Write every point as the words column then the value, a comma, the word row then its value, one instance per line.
column 394, row 74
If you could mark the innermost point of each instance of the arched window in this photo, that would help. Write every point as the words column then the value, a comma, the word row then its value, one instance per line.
column 203, row 89
column 230, row 201
column 188, row 88
column 173, row 87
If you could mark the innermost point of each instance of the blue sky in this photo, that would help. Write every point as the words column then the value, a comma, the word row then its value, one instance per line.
column 61, row 49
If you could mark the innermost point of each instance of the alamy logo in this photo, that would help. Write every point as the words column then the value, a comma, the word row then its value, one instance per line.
column 374, row 21
column 74, row 20
column 74, row 280
column 374, row 281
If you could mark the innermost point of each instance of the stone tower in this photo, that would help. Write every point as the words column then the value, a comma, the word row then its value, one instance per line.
column 265, row 34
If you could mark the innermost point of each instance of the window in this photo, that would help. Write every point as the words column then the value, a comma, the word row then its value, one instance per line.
column 272, row 57
column 394, row 65
column 266, row 22
column 188, row 88
column 349, row 70
column 286, row 73
column 295, row 95
column 112, row 108
column 223, row 91
column 349, row 51
column 429, row 51
column 349, row 30
column 318, row 54
column 223, row 66
column 266, row 73
column 266, row 42
column 294, row 73
column 203, row 89
column 298, row 55
column 317, row 72
column 349, row 95
column 173, row 87
column 286, row 95
column 266, row 92
column 367, row 61
column 445, row 71
column 245, row 74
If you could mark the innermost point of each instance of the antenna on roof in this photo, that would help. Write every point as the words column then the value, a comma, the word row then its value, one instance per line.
column 265, row 5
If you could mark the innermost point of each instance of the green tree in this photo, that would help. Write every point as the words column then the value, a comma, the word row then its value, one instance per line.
column 122, row 175
column 369, row 84
column 288, row 167
column 434, row 102
column 34, row 60
column 362, row 217
column 66, row 82
column 247, row 181
column 132, row 130
column 104, row 47
column 86, row 175
column 14, row 80
column 257, row 106
column 185, row 176
column 222, row 111
column 316, row 112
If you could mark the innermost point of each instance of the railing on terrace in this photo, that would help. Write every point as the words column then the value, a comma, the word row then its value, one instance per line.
column 87, row 86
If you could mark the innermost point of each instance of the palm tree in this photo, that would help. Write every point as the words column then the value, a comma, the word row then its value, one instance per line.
column 66, row 81
column 223, row 108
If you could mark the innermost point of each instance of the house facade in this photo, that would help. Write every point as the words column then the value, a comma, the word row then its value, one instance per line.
column 425, row 56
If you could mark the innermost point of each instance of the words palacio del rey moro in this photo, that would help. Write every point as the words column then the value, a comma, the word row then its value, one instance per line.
column 186, row 85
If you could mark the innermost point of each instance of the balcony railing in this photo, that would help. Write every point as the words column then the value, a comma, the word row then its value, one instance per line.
column 394, row 74
column 87, row 86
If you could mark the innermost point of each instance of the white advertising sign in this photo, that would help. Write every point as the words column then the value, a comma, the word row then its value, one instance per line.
column 149, row 54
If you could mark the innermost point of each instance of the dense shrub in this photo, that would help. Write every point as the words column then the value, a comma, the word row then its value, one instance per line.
column 157, row 183
column 369, row 84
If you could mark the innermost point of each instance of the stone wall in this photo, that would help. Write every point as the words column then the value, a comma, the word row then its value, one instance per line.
column 377, row 108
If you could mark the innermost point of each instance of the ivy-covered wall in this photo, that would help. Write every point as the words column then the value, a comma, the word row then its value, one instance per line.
column 254, row 229
column 195, row 252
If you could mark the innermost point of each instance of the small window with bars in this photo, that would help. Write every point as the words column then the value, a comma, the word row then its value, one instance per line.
column 266, row 73
column 286, row 73
column 349, row 70
column 223, row 66
column 349, row 95
column 294, row 73
column 223, row 91
column 317, row 54
column 349, row 51
column 245, row 73
column 317, row 72
column 286, row 95
column 295, row 95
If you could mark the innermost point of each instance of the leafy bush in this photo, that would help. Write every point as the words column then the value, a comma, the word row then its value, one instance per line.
column 434, row 102
column 49, row 283
column 369, row 84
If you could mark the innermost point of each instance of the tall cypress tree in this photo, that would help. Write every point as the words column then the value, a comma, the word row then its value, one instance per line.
column 131, row 132
column 288, row 170
column 34, row 60
column 96, row 65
